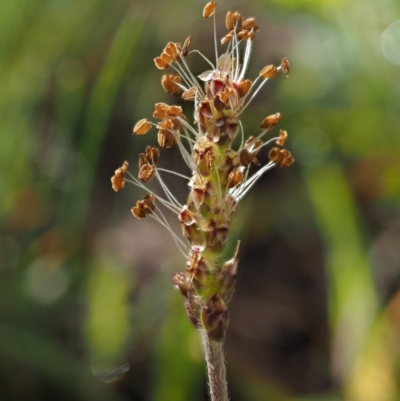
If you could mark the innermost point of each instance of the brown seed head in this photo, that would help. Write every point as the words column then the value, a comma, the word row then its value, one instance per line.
column 160, row 63
column 229, row 20
column 287, row 158
column 244, row 35
column 163, row 110
column 250, row 23
column 281, row 156
column 186, row 46
column 141, row 127
column 282, row 138
column 169, row 83
column 166, row 57
column 146, row 173
column 237, row 21
column 274, row 155
column 148, row 203
column 144, row 207
column 166, row 139
column 142, row 160
column 171, row 52
column 244, row 87
column 209, row 9
column 152, row 154
column 270, row 121
column 269, row 71
column 227, row 37
column 285, row 66
column 117, row 183
column 245, row 157
column 138, row 211
column 235, row 178
column 118, row 180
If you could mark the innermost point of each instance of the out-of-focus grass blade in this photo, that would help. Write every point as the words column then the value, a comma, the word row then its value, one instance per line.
column 352, row 299
column 178, row 358
column 47, row 357
column 98, row 115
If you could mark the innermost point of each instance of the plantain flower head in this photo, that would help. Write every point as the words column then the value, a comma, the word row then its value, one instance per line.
column 220, row 173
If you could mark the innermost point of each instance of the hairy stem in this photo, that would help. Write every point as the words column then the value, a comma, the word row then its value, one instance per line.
column 214, row 355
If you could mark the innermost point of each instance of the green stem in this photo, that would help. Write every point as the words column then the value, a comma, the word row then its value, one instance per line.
column 214, row 355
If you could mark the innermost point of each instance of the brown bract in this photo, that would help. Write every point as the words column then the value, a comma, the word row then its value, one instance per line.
column 270, row 121
column 209, row 9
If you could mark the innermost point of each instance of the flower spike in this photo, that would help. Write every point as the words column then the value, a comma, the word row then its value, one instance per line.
column 220, row 172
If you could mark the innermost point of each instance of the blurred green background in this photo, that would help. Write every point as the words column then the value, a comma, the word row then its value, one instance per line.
column 87, row 309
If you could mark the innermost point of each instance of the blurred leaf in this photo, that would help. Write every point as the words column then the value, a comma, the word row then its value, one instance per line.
column 352, row 299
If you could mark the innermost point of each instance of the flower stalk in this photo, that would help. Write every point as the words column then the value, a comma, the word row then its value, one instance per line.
column 220, row 161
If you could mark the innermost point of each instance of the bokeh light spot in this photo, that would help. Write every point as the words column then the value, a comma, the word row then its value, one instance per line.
column 46, row 280
column 391, row 42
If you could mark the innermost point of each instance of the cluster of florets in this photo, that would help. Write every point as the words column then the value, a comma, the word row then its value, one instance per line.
column 219, row 174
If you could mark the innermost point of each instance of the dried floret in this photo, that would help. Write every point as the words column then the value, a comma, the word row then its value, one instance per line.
column 282, row 138
column 169, row 83
column 209, row 9
column 270, row 121
column 285, row 66
column 141, row 127
column 269, row 71
column 118, row 179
